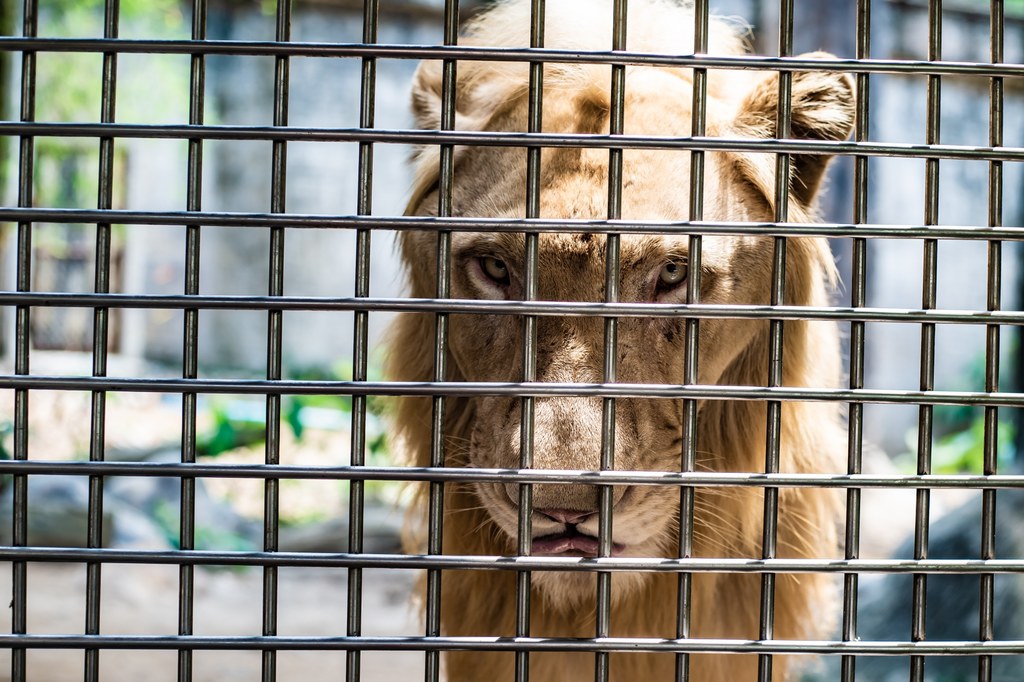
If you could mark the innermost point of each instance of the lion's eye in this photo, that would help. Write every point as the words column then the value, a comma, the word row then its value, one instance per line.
column 496, row 269
column 672, row 274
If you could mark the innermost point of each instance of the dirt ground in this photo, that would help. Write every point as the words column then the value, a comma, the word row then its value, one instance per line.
column 142, row 600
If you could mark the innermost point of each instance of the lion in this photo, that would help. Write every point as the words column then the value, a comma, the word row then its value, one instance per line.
column 480, row 518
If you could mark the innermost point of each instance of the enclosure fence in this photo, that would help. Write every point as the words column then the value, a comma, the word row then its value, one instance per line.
column 23, row 133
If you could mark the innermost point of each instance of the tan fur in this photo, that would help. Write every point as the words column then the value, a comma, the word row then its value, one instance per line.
column 490, row 182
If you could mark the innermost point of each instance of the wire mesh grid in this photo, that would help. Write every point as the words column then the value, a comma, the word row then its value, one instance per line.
column 108, row 133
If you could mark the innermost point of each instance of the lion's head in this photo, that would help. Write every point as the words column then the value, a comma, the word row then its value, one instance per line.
column 490, row 181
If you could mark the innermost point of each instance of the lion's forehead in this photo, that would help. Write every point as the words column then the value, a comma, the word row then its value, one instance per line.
column 571, row 251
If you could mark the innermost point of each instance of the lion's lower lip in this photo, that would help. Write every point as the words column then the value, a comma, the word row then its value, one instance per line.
column 569, row 543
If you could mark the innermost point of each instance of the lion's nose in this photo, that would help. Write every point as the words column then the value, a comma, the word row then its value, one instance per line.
column 570, row 516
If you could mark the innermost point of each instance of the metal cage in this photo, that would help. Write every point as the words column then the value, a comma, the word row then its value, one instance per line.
column 24, row 131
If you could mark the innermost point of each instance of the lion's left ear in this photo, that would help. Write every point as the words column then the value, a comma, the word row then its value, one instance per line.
column 823, row 108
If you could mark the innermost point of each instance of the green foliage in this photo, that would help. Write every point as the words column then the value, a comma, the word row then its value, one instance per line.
column 242, row 423
column 69, row 88
column 76, row 15
column 230, row 430
column 70, row 84
column 342, row 371
column 963, row 451
column 1012, row 7
column 167, row 518
column 959, row 430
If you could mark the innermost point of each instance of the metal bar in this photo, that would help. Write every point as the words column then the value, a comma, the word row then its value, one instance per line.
column 482, row 53
column 928, row 295
column 616, row 126
column 360, row 345
column 769, row 542
column 516, row 389
column 696, row 212
column 438, row 644
column 190, row 341
column 489, row 307
column 435, row 511
column 22, row 345
column 383, row 473
column 275, row 337
column 986, row 616
column 688, row 458
column 111, row 11
column 458, row 224
column 526, row 307
column 512, row 139
column 531, row 256
column 858, row 297
column 515, row 563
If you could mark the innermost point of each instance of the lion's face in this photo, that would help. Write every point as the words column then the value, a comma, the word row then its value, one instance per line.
column 490, row 182
column 648, row 432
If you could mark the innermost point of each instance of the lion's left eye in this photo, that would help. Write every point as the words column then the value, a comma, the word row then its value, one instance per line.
column 672, row 274
column 495, row 269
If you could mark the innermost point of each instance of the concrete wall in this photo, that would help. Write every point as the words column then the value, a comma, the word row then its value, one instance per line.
column 321, row 179
column 898, row 114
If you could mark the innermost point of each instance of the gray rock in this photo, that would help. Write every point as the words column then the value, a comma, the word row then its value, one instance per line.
column 158, row 498
column 58, row 512
column 382, row 525
column 141, row 512
column 134, row 529
column 953, row 601
column 144, row 512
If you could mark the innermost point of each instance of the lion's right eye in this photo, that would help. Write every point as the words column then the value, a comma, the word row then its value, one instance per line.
column 495, row 269
column 672, row 274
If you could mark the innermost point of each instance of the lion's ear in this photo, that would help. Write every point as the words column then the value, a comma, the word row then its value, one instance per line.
column 823, row 108
column 479, row 91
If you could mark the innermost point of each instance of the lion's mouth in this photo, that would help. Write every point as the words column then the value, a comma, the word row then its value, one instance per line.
column 570, row 543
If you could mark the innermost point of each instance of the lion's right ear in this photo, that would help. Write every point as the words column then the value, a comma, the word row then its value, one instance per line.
column 480, row 89
column 823, row 107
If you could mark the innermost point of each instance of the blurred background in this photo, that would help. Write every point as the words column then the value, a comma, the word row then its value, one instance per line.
column 322, row 180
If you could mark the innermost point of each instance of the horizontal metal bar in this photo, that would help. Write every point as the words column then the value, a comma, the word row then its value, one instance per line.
column 508, row 139
column 509, row 563
column 915, row 67
column 491, row 307
column 508, row 389
column 403, row 223
column 704, row 479
column 624, row 644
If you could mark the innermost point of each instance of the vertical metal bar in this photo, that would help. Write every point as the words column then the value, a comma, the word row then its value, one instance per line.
column 698, row 120
column 275, row 334
column 858, row 298
column 360, row 346
column 928, row 289
column 190, row 351
column 535, row 109
column 616, row 126
column 775, row 344
column 986, row 626
column 435, row 511
column 22, row 342
column 99, row 345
